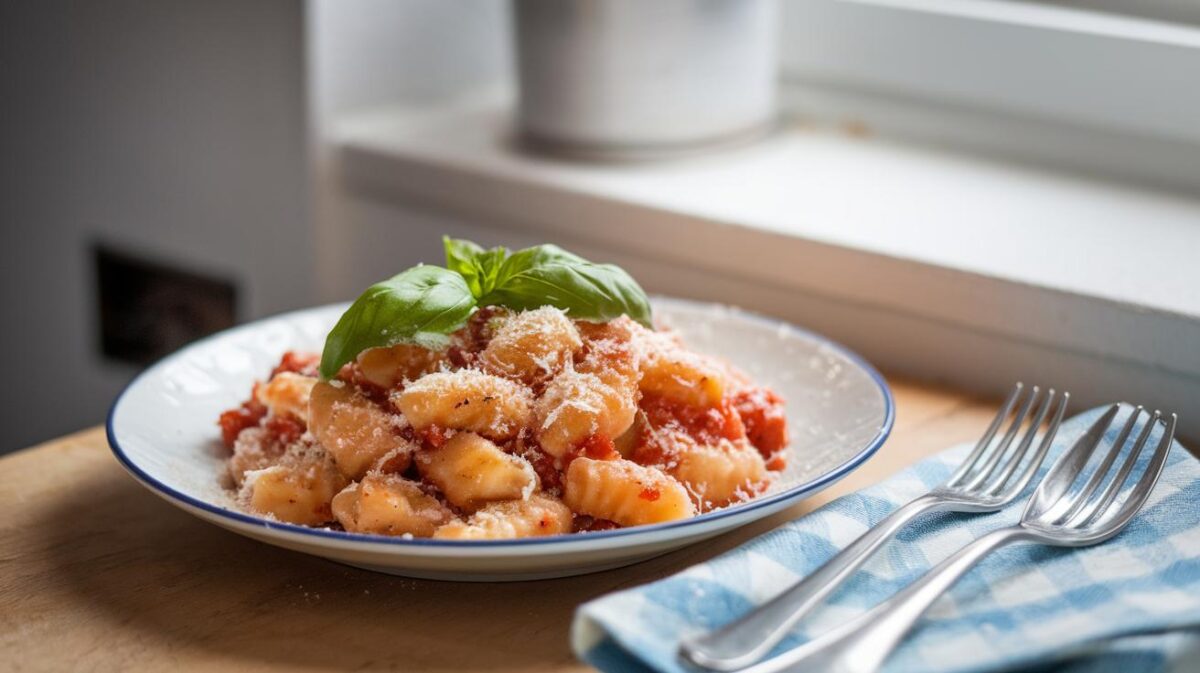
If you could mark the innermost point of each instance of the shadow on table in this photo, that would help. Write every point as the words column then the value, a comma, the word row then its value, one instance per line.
column 171, row 583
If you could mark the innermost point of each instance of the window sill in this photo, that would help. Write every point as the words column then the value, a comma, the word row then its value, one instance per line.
column 931, row 263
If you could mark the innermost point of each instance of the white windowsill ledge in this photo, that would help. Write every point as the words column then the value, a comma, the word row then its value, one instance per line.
column 931, row 263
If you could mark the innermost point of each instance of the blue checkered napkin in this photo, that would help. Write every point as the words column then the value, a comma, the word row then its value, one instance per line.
column 1131, row 604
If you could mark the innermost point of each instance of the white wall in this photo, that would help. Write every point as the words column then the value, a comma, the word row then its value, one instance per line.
column 174, row 128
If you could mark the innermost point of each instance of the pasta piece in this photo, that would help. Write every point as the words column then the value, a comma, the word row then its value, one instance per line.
column 682, row 376
column 287, row 394
column 719, row 474
column 537, row 516
column 532, row 346
column 353, row 429
column 466, row 400
column 253, row 450
column 621, row 329
column 389, row 367
column 297, row 489
column 576, row 406
column 613, row 360
column 471, row 471
column 388, row 504
column 625, row 492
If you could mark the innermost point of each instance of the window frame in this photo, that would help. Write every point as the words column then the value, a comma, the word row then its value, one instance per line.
column 1083, row 77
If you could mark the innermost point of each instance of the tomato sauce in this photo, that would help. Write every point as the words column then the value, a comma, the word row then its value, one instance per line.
column 667, row 419
column 248, row 415
column 761, row 411
column 252, row 412
column 597, row 447
column 284, row 429
column 545, row 467
column 435, row 436
column 474, row 339
column 307, row 364
column 460, row 357
column 706, row 425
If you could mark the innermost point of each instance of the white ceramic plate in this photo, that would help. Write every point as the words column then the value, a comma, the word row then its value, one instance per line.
column 163, row 430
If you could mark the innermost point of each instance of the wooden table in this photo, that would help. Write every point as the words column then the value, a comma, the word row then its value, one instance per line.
column 96, row 573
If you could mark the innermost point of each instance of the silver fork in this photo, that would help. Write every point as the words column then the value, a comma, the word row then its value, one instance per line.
column 985, row 482
column 1056, row 515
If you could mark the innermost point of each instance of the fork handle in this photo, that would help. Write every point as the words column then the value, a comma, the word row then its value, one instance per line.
column 862, row 645
column 744, row 641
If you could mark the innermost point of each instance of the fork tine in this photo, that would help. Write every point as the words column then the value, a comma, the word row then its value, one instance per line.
column 1001, row 489
column 1145, row 483
column 1110, row 492
column 1080, row 499
column 969, row 464
column 1062, row 474
column 989, row 466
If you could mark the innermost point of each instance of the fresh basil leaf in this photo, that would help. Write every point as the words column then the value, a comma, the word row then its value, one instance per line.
column 477, row 266
column 459, row 252
column 547, row 274
column 489, row 264
column 420, row 306
column 460, row 258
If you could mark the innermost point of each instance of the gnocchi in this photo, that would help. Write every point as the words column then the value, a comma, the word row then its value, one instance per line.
column 613, row 360
column 539, row 515
column 287, row 394
column 355, row 431
column 388, row 504
column 718, row 474
column 683, row 376
column 576, row 406
column 624, row 492
column 471, row 471
column 297, row 489
column 389, row 367
column 532, row 346
column 253, row 450
column 467, row 399
column 528, row 423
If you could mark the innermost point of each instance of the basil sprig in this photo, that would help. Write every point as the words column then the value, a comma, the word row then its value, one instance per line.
column 479, row 267
column 420, row 306
column 547, row 274
column 425, row 304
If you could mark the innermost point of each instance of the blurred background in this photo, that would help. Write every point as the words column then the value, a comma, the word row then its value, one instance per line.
column 961, row 190
column 171, row 149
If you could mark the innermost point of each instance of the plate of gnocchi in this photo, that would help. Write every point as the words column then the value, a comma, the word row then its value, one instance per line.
column 510, row 416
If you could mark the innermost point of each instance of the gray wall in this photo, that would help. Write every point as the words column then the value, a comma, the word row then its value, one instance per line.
column 196, row 133
column 173, row 128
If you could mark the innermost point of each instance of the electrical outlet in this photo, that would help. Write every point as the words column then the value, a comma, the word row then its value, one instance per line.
column 148, row 308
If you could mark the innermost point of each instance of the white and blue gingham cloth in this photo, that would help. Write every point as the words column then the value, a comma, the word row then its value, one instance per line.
column 1130, row 604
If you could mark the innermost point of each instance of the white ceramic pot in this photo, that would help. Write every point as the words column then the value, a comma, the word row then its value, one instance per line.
column 626, row 78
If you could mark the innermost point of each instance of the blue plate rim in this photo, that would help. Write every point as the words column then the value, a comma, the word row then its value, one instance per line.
column 794, row 493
